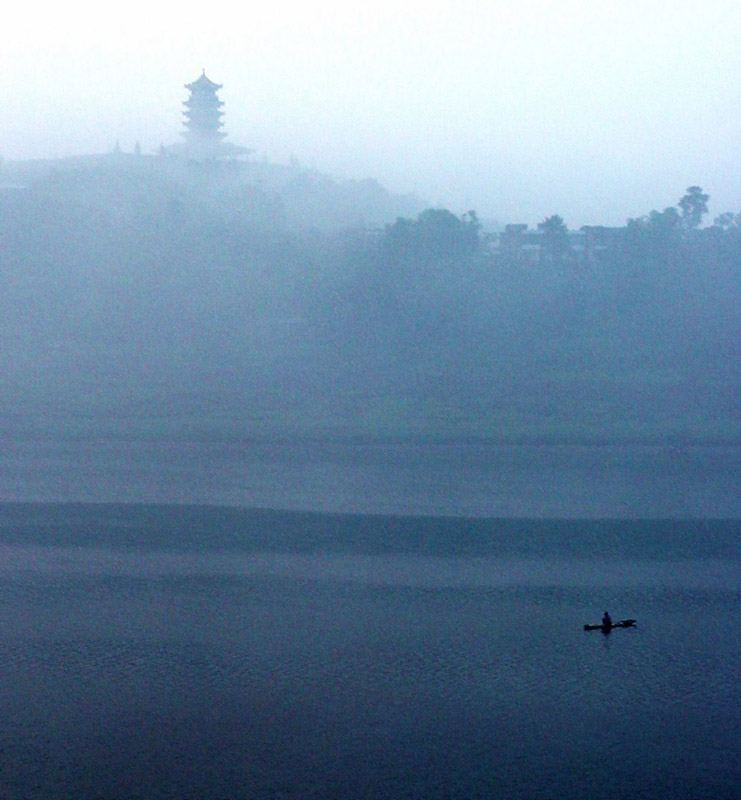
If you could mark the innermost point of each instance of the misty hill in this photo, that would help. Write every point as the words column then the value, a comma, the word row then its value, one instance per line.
column 259, row 193
column 160, row 298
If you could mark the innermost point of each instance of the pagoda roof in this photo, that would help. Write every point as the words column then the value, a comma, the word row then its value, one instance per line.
column 203, row 82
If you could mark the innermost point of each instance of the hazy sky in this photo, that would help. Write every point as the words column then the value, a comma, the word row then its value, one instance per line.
column 519, row 109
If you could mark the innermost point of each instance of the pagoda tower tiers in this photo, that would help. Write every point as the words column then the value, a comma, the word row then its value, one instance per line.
column 203, row 111
column 203, row 123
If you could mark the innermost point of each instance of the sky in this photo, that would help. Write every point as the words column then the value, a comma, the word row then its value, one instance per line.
column 597, row 111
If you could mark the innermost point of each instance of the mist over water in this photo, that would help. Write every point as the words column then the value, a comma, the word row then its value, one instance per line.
column 220, row 302
column 461, row 479
column 333, row 406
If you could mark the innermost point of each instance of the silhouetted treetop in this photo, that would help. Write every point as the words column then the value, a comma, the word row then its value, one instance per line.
column 436, row 235
column 694, row 206
column 555, row 237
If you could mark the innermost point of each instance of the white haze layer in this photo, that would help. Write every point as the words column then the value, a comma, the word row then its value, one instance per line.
column 594, row 110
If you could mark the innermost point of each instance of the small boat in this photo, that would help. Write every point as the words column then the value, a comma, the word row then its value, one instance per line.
column 624, row 623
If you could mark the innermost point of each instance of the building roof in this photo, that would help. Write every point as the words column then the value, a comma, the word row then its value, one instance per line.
column 203, row 83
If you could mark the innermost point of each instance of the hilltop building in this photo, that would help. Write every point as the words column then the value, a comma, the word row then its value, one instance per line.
column 204, row 137
column 203, row 112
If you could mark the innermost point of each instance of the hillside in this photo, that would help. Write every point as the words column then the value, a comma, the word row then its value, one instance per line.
column 158, row 298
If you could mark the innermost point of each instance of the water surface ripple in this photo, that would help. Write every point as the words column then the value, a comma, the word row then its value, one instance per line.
column 164, row 652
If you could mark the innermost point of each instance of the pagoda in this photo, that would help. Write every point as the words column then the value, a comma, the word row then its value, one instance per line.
column 203, row 135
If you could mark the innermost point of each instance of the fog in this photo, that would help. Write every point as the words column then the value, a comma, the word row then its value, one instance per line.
column 165, row 297
column 596, row 112
column 402, row 255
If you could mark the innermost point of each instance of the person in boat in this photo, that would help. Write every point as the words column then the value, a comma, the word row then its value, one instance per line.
column 606, row 620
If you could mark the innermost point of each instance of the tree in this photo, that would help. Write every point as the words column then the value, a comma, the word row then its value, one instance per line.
column 555, row 238
column 658, row 226
column 727, row 220
column 664, row 224
column 472, row 224
column 437, row 235
column 694, row 206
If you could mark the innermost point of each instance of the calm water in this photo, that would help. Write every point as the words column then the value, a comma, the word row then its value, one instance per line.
column 449, row 478
column 174, row 652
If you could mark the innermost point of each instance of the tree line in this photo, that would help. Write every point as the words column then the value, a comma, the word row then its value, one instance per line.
column 191, row 293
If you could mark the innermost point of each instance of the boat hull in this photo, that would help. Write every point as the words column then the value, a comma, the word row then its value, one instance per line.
column 625, row 623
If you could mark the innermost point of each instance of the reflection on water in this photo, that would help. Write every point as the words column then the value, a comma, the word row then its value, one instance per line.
column 373, row 569
column 458, row 478
column 363, row 670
